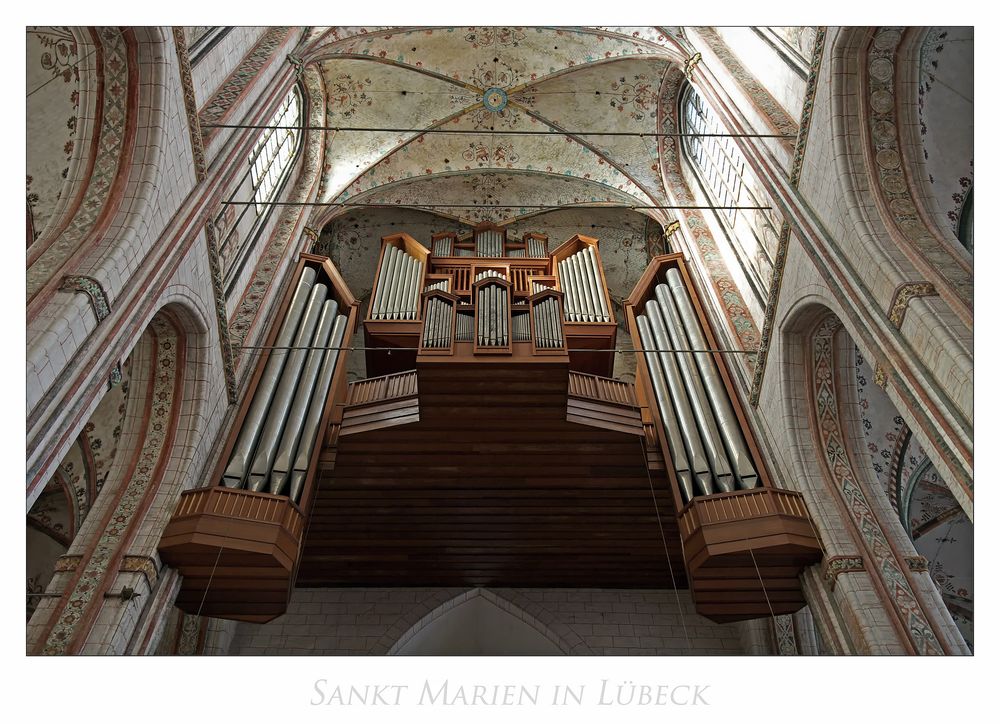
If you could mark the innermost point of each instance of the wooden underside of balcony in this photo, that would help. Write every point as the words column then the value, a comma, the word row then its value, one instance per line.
column 492, row 486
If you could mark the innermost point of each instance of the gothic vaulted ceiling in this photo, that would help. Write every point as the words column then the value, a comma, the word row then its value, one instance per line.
column 559, row 83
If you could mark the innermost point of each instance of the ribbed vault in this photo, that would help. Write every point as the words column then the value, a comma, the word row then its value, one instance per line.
column 560, row 84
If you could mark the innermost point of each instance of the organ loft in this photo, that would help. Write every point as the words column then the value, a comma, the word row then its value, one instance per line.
column 490, row 407
column 386, row 340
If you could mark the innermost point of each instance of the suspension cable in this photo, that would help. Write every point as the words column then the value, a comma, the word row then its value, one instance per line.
column 501, row 132
column 542, row 207
column 663, row 537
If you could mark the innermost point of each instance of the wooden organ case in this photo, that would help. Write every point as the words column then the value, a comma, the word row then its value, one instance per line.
column 745, row 541
column 489, row 444
column 237, row 541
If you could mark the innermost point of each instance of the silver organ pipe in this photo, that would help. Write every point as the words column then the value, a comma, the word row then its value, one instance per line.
column 395, row 257
column 548, row 330
column 569, row 309
column 277, row 413
column 310, row 427
column 535, row 248
column 443, row 247
column 430, row 315
column 520, row 322
column 517, row 253
column 463, row 327
column 397, row 290
column 581, row 281
column 446, row 322
column 441, row 286
column 492, row 305
column 714, row 448
column 678, row 394
column 489, row 243
column 662, row 394
column 236, row 469
column 595, row 280
column 437, row 325
column 583, row 298
column 409, row 289
column 378, row 294
column 303, row 393
column 398, row 287
column 729, row 427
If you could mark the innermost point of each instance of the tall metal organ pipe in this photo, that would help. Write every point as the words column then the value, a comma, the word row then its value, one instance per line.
column 267, row 448
column 583, row 289
column 463, row 327
column 682, row 405
column 661, row 392
column 236, row 469
column 389, row 267
column 580, row 279
column 707, row 425
column 300, row 404
column 397, row 290
column 729, row 427
column 595, row 277
column 310, row 427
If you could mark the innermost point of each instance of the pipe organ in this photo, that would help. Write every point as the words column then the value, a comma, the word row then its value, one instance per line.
column 488, row 444
column 237, row 541
column 744, row 539
column 484, row 302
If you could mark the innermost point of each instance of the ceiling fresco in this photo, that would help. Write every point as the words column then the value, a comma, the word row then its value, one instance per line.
column 53, row 82
column 491, row 192
column 945, row 107
column 557, row 83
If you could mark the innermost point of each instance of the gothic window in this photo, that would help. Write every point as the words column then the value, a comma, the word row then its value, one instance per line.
column 727, row 181
column 273, row 153
column 269, row 164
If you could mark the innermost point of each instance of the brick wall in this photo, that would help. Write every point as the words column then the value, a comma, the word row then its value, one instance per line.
column 326, row 621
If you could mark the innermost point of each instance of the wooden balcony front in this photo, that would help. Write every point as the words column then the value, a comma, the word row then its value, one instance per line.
column 237, row 551
column 499, row 482
column 745, row 550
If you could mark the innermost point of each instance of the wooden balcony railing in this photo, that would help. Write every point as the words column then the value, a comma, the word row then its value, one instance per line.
column 602, row 388
column 741, row 505
column 378, row 389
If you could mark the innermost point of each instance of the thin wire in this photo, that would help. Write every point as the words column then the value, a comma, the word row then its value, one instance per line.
column 209, row 584
column 414, row 349
column 584, row 205
column 60, row 75
column 494, row 131
column 761, row 579
column 663, row 537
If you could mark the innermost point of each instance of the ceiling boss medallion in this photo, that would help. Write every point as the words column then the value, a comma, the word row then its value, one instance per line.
column 495, row 99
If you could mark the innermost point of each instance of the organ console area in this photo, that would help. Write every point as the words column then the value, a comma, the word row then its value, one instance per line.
column 489, row 443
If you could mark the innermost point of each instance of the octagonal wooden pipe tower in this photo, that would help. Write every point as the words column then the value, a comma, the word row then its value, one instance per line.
column 745, row 540
column 237, row 541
